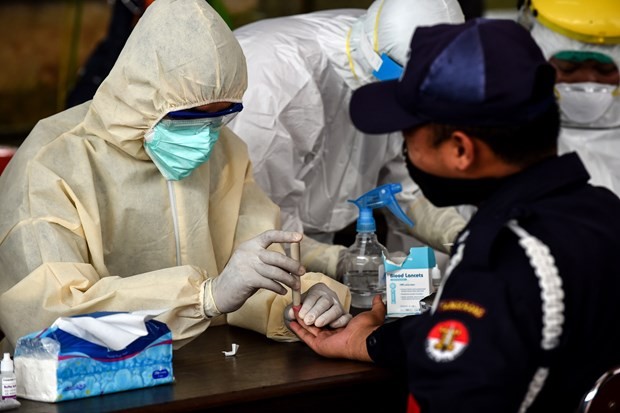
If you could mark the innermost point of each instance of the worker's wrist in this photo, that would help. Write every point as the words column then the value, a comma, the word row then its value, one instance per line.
column 337, row 262
column 208, row 302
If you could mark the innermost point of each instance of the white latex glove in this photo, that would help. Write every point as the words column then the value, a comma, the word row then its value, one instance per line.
column 320, row 307
column 397, row 257
column 251, row 267
column 319, row 257
column 437, row 227
column 341, row 267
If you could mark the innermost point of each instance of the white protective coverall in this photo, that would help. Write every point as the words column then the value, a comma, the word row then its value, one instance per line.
column 306, row 153
column 598, row 142
column 88, row 222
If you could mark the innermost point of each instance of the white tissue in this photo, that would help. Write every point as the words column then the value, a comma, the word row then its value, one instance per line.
column 114, row 331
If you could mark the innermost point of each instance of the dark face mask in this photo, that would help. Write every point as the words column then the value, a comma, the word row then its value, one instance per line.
column 444, row 192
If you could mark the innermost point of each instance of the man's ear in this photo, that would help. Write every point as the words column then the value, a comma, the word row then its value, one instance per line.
column 462, row 151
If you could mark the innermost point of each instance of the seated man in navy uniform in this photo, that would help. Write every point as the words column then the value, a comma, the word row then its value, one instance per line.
column 527, row 316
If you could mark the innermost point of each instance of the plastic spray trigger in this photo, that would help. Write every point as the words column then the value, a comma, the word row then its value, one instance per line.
column 379, row 197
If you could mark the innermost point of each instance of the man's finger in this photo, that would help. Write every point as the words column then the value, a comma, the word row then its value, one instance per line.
column 378, row 308
column 305, row 335
column 315, row 331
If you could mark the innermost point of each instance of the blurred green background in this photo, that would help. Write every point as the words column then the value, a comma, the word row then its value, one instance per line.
column 44, row 43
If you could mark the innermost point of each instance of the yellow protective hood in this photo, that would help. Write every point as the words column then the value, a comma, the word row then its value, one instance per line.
column 180, row 55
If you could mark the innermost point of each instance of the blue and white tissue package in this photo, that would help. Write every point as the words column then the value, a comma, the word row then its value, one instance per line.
column 53, row 365
column 409, row 282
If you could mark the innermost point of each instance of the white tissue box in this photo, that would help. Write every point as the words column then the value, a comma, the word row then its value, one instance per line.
column 53, row 365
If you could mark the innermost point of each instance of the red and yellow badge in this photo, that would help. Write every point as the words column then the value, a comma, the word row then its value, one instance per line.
column 447, row 340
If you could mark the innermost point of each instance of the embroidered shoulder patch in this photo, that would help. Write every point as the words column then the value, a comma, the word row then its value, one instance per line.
column 447, row 340
column 462, row 306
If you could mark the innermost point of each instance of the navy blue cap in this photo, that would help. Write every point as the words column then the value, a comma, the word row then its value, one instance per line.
column 483, row 72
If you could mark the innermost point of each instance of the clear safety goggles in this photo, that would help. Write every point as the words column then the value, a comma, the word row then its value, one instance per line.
column 218, row 119
column 587, row 87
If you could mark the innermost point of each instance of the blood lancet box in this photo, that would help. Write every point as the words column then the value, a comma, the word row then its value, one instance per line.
column 408, row 282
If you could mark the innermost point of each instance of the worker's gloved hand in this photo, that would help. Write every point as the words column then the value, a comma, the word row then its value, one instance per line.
column 320, row 307
column 341, row 267
column 397, row 256
column 437, row 227
column 251, row 267
column 319, row 257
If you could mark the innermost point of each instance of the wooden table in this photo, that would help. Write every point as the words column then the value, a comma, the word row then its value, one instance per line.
column 264, row 376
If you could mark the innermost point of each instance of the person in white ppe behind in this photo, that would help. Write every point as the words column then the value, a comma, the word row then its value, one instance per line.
column 306, row 153
column 581, row 39
column 142, row 199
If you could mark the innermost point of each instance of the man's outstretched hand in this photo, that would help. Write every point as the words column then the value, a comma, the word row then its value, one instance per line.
column 348, row 342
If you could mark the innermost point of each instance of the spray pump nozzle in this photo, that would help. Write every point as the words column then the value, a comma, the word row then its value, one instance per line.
column 376, row 198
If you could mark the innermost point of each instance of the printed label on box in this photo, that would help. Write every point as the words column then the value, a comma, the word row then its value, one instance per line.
column 405, row 289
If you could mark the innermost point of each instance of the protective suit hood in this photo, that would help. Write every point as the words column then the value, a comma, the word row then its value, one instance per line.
column 386, row 27
column 551, row 43
column 204, row 64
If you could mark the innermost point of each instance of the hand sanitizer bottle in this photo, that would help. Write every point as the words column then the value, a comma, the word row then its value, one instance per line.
column 364, row 269
column 7, row 375
column 364, row 274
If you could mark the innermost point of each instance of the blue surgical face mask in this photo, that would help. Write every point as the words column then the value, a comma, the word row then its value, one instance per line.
column 177, row 147
column 182, row 142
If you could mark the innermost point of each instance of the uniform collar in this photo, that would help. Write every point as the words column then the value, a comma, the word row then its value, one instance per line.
column 557, row 172
column 512, row 200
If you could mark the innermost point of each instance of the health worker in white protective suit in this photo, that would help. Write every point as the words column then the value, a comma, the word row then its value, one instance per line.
column 141, row 199
column 581, row 39
column 306, row 153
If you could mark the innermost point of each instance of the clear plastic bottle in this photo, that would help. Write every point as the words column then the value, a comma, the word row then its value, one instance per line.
column 7, row 376
column 364, row 268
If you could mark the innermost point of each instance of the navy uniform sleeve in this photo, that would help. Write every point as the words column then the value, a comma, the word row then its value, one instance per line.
column 479, row 351
column 385, row 346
